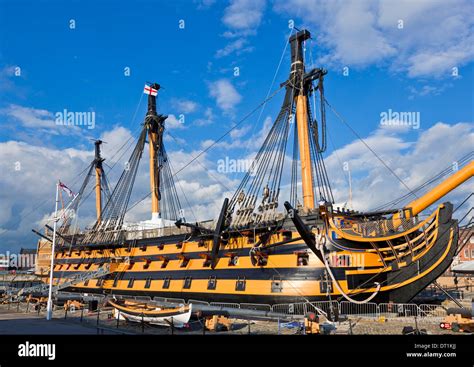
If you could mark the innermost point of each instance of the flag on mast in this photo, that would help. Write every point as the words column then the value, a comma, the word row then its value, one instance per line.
column 149, row 90
column 67, row 189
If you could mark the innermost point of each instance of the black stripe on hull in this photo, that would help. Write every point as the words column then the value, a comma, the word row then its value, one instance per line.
column 282, row 250
column 208, row 297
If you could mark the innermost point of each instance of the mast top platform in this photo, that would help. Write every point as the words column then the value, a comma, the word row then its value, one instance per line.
column 301, row 36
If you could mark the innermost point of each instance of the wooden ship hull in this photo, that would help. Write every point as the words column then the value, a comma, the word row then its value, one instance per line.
column 252, row 253
column 283, row 271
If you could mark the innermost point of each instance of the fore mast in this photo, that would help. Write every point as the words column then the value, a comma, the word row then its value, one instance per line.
column 98, row 177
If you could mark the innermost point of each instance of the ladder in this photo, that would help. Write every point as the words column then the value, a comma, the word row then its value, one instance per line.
column 82, row 277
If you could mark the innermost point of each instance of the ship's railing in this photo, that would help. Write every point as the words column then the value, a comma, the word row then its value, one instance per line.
column 138, row 234
column 376, row 228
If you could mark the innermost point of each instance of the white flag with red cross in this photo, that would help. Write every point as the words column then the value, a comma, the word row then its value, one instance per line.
column 149, row 90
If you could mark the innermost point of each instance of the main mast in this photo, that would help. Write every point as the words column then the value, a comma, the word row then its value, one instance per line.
column 297, row 78
column 155, row 126
column 264, row 180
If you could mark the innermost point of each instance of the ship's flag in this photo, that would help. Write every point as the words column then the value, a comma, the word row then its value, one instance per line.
column 149, row 90
column 67, row 189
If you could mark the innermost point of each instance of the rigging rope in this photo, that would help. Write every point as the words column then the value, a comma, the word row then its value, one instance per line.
column 266, row 169
column 229, row 131
column 336, row 282
column 446, row 172
column 115, row 208
column 369, row 148
column 215, row 142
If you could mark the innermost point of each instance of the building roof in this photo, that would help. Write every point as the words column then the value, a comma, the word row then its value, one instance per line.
column 464, row 268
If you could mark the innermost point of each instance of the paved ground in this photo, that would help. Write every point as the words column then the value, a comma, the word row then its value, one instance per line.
column 27, row 321
column 12, row 322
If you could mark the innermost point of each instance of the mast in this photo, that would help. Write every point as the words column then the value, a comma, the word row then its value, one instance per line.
column 155, row 127
column 297, row 78
column 98, row 176
column 49, row 306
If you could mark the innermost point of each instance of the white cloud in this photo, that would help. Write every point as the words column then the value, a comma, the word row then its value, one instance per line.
column 30, row 117
column 185, row 105
column 237, row 46
column 244, row 15
column 28, row 179
column 204, row 4
column 207, row 143
column 7, row 74
column 240, row 132
column 241, row 140
column 437, row 35
column 414, row 162
column 225, row 94
column 27, row 193
column 427, row 90
column 40, row 124
column 114, row 140
column 172, row 123
column 207, row 120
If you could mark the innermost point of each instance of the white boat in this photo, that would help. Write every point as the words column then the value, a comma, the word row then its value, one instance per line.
column 152, row 314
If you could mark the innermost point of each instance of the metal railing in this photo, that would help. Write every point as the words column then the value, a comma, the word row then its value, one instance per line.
column 367, row 310
column 330, row 308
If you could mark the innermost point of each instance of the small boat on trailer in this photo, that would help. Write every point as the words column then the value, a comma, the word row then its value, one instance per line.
column 150, row 313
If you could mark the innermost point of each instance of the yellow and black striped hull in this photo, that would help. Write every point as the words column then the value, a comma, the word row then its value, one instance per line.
column 172, row 267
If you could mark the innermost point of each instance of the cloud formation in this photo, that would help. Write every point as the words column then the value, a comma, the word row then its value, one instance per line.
column 423, row 38
column 242, row 18
column 27, row 193
column 225, row 95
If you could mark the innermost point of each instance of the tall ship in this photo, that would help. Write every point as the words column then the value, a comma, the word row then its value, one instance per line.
column 271, row 243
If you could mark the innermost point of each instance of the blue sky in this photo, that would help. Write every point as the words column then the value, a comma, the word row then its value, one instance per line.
column 82, row 69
